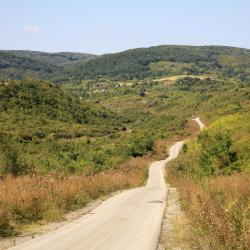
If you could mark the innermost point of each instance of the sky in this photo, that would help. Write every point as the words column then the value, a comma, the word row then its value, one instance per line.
column 106, row 26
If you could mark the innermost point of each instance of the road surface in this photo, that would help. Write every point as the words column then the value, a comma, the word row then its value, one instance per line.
column 199, row 122
column 130, row 220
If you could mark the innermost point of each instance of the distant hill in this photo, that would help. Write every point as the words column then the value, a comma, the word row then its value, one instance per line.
column 22, row 64
column 59, row 58
column 20, row 67
column 167, row 60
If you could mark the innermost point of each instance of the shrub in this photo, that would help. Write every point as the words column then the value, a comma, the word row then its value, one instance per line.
column 12, row 163
column 25, row 138
column 217, row 154
column 40, row 134
column 63, row 135
column 142, row 92
column 139, row 145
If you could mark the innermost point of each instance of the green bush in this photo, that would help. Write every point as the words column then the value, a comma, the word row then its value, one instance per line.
column 12, row 159
column 63, row 135
column 40, row 134
column 217, row 154
column 139, row 145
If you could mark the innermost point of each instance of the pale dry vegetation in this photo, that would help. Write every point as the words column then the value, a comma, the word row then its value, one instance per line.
column 218, row 210
column 30, row 199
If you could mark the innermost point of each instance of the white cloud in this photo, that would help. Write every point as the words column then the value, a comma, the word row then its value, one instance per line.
column 30, row 28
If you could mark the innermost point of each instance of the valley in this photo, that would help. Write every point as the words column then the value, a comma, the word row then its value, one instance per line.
column 78, row 127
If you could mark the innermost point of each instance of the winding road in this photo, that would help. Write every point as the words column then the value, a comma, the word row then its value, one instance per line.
column 130, row 220
column 199, row 122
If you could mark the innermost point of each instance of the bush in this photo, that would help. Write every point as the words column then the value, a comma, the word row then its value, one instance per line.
column 12, row 163
column 217, row 154
column 99, row 159
column 142, row 92
column 40, row 134
column 25, row 138
column 63, row 135
column 139, row 145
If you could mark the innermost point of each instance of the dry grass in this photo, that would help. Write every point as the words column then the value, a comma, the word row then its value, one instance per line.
column 218, row 210
column 175, row 227
column 192, row 127
column 29, row 199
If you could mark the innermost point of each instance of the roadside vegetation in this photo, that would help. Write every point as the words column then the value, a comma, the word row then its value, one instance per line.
column 59, row 152
column 31, row 198
column 212, row 174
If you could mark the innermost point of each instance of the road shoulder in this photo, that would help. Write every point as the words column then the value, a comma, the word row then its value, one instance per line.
column 174, row 229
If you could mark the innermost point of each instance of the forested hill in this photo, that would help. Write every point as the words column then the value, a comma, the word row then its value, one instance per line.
column 59, row 58
column 19, row 67
column 168, row 60
column 138, row 63
column 23, row 64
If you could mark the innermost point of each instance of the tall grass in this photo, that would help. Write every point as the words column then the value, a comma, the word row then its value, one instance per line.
column 218, row 209
column 28, row 199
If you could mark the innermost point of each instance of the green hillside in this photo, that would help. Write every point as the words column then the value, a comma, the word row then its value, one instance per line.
column 22, row 64
column 21, row 67
column 59, row 58
column 141, row 63
column 40, row 121
column 167, row 60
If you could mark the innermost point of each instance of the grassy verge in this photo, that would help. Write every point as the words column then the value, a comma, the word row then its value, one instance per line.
column 218, row 211
column 30, row 199
column 212, row 176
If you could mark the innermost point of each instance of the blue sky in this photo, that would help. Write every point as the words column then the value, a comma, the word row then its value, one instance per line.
column 104, row 26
